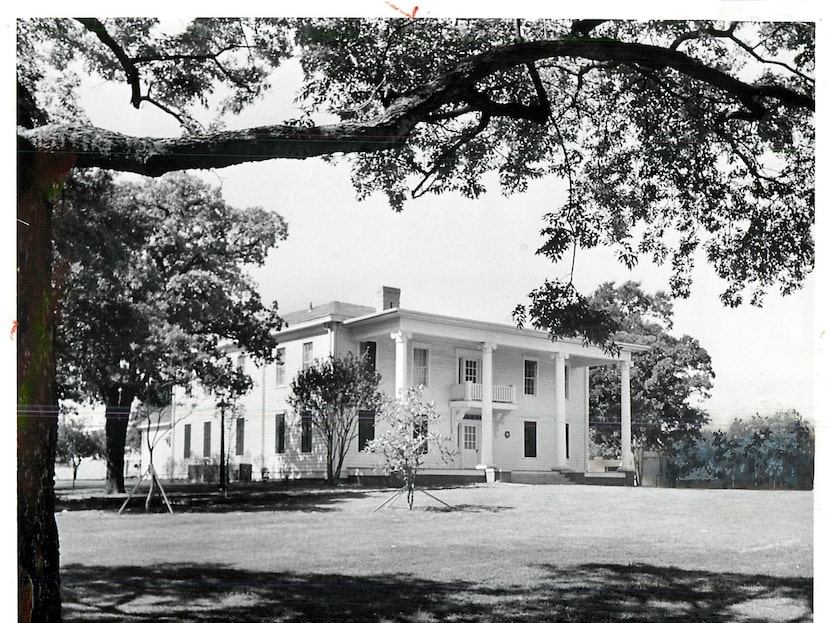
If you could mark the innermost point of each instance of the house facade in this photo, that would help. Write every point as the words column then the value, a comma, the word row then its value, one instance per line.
column 511, row 400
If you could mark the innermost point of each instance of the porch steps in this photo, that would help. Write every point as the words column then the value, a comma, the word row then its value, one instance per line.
column 543, row 478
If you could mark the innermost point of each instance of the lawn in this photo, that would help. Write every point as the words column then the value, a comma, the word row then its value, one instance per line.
column 504, row 552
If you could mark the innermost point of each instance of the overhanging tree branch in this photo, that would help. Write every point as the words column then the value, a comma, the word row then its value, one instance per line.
column 96, row 147
column 95, row 26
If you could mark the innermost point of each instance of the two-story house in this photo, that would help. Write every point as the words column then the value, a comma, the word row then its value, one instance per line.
column 511, row 400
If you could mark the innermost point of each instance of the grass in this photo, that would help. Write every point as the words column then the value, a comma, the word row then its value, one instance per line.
column 502, row 553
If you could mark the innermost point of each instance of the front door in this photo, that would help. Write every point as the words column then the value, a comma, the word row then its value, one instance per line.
column 469, row 437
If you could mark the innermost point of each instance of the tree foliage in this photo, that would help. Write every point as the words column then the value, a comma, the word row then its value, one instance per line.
column 667, row 380
column 409, row 438
column 153, row 284
column 672, row 137
column 77, row 442
column 763, row 452
column 334, row 391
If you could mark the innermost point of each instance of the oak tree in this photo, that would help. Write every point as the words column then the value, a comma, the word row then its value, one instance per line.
column 668, row 380
column 153, row 283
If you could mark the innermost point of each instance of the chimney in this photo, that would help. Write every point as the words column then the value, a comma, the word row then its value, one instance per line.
column 388, row 298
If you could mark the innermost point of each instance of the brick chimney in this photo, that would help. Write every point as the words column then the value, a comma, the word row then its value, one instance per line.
column 388, row 298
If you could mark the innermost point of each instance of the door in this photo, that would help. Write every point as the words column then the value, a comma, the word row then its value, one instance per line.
column 469, row 437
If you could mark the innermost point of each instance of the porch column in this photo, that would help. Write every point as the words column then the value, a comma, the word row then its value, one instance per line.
column 488, row 448
column 401, row 355
column 587, row 417
column 625, row 416
column 559, row 409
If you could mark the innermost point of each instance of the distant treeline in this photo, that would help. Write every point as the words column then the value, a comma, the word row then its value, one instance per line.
column 765, row 452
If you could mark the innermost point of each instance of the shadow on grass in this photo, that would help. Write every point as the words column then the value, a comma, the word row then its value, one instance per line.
column 467, row 508
column 586, row 593
column 201, row 500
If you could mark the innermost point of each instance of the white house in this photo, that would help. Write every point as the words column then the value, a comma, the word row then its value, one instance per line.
column 513, row 401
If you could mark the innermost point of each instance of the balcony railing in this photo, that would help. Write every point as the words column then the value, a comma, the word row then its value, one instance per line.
column 474, row 391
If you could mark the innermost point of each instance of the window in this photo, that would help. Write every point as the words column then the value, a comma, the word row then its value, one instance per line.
column 240, row 436
column 369, row 350
column 187, row 441
column 365, row 428
column 308, row 354
column 305, row 432
column 470, row 437
column 206, row 440
column 420, row 431
column 531, row 375
column 280, row 367
column 420, row 368
column 280, row 441
column 530, row 440
column 567, row 382
column 240, row 362
column 567, row 441
column 467, row 370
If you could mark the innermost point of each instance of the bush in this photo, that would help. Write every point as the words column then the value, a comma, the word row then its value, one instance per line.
column 775, row 451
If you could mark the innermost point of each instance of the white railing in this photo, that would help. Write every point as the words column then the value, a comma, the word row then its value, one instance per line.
column 473, row 391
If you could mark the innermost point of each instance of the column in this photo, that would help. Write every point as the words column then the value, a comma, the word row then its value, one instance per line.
column 559, row 408
column 488, row 447
column 587, row 398
column 625, row 416
column 401, row 358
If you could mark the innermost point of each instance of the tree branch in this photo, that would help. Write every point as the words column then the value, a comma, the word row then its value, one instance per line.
column 94, row 25
column 390, row 129
column 464, row 138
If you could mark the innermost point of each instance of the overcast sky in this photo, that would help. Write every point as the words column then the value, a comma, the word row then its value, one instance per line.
column 476, row 259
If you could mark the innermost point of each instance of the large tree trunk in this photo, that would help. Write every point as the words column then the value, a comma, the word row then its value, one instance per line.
column 119, row 401
column 39, row 177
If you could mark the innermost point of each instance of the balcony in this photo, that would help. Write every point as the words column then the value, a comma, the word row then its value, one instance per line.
column 469, row 395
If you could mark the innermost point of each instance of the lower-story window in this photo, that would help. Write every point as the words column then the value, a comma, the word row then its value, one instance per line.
column 305, row 432
column 240, row 436
column 567, row 441
column 421, row 431
column 206, row 440
column 365, row 429
column 187, row 441
column 280, row 433
column 530, row 440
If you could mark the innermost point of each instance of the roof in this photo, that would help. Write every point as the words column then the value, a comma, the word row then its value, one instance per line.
column 334, row 308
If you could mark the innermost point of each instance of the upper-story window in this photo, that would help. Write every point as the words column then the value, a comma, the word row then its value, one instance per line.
column 567, row 382
column 308, row 354
column 420, row 367
column 280, row 367
column 531, row 377
column 468, row 370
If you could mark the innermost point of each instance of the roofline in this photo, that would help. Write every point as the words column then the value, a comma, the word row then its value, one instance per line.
column 478, row 324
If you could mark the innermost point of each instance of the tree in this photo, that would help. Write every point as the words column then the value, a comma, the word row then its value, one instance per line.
column 666, row 380
column 408, row 439
column 333, row 392
column 76, row 443
column 764, row 451
column 152, row 279
column 699, row 127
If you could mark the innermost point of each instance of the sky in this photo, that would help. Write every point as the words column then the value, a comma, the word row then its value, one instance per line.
column 477, row 259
